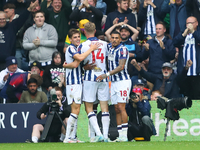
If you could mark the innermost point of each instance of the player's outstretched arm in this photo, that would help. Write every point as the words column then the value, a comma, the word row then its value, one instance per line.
column 81, row 57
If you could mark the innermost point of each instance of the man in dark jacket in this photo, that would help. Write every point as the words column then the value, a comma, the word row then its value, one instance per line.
column 193, row 7
column 178, row 15
column 91, row 13
column 122, row 14
column 138, row 110
column 8, row 33
column 160, row 49
column 189, row 48
column 167, row 83
column 55, row 128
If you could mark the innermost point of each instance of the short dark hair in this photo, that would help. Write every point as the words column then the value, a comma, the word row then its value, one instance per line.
column 9, row 5
column 58, row 89
column 115, row 32
column 32, row 80
column 72, row 32
column 162, row 23
column 119, row 1
column 39, row 11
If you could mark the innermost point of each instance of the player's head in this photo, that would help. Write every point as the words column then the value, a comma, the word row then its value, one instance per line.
column 74, row 37
column 89, row 29
column 115, row 38
column 59, row 93
column 32, row 86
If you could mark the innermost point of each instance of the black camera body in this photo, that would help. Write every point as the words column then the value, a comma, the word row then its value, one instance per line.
column 173, row 105
column 133, row 96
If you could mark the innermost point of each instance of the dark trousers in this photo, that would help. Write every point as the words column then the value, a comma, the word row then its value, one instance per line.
column 145, row 129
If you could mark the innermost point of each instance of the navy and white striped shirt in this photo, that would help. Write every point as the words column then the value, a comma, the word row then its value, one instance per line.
column 97, row 57
column 73, row 76
column 189, row 53
column 150, row 27
column 114, row 55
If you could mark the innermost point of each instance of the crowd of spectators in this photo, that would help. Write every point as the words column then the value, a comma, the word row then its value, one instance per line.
column 157, row 33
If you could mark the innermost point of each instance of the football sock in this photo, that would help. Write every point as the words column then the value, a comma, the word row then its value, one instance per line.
column 70, row 124
column 93, row 121
column 34, row 139
column 124, row 129
column 62, row 137
column 105, row 123
column 73, row 133
column 119, row 129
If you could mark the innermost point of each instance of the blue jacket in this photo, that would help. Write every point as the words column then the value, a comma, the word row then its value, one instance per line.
column 172, row 85
column 116, row 14
column 157, row 55
column 8, row 36
column 179, row 41
column 182, row 15
column 142, row 106
column 142, row 15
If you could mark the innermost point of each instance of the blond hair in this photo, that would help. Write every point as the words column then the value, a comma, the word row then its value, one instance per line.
column 89, row 28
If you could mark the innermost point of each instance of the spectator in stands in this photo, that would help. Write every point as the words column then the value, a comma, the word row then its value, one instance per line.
column 138, row 109
column 150, row 15
column 155, row 94
column 102, row 6
column 160, row 49
column 134, row 6
column 91, row 13
column 33, row 95
column 167, row 83
column 40, row 40
column 55, row 128
column 122, row 14
column 8, row 33
column 20, row 5
column 188, row 44
column 178, row 15
column 11, row 67
column 16, row 84
column 140, row 83
column 9, row 9
column 54, row 73
column 100, row 35
column 36, row 68
column 59, row 18
column 193, row 7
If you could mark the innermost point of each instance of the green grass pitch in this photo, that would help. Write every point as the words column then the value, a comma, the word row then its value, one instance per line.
column 183, row 145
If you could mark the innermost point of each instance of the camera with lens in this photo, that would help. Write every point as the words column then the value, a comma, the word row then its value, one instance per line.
column 52, row 101
column 173, row 105
column 133, row 96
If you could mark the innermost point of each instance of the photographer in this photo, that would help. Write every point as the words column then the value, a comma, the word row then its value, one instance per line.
column 138, row 110
column 55, row 128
